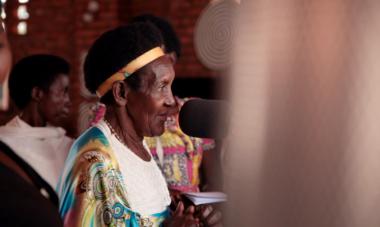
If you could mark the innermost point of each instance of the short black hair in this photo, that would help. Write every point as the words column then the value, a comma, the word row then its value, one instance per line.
column 171, row 40
column 39, row 70
column 116, row 48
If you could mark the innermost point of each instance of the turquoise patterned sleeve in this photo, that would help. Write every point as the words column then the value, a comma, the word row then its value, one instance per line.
column 92, row 190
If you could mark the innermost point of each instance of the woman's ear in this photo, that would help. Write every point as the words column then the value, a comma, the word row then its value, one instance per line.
column 37, row 94
column 120, row 92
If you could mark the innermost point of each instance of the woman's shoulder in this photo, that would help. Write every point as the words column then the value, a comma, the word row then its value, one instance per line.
column 91, row 145
column 90, row 150
column 93, row 135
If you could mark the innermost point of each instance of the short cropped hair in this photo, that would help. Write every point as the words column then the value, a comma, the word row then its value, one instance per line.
column 39, row 70
column 171, row 40
column 115, row 49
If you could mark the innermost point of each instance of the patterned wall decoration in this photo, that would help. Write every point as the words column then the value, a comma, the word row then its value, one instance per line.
column 214, row 33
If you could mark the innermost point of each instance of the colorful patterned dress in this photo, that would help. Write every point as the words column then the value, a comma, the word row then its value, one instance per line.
column 182, row 157
column 92, row 190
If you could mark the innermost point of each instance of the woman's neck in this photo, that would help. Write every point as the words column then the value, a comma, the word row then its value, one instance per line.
column 123, row 127
column 31, row 116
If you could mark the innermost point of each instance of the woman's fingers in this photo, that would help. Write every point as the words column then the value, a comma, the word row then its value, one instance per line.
column 190, row 210
column 179, row 210
column 214, row 219
column 210, row 216
column 206, row 211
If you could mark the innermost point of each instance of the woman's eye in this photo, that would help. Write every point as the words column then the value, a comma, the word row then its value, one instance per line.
column 162, row 86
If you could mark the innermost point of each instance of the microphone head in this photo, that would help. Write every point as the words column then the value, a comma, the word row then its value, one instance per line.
column 204, row 118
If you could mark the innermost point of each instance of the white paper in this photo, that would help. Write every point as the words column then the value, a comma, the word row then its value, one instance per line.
column 199, row 198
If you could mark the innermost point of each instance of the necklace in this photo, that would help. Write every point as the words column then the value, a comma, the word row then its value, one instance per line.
column 144, row 154
column 113, row 132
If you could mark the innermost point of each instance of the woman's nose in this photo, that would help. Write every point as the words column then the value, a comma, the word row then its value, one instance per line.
column 170, row 100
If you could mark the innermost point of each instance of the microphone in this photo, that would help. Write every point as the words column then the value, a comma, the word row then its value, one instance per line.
column 204, row 118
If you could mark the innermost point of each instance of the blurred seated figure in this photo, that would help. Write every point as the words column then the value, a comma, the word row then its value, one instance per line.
column 179, row 156
column 38, row 85
column 188, row 163
column 26, row 199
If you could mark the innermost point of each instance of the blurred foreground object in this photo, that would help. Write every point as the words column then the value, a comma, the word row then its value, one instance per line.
column 304, row 148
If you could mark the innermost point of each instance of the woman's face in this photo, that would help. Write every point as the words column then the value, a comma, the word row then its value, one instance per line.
column 55, row 104
column 5, row 66
column 150, row 106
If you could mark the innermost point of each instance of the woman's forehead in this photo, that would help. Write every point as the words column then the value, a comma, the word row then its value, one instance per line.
column 160, row 65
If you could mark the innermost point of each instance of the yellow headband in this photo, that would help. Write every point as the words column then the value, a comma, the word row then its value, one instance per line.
column 130, row 68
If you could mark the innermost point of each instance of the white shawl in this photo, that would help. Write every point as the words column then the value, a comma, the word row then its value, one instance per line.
column 43, row 148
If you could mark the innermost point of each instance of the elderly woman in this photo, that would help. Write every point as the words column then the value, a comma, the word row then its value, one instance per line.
column 110, row 178
column 189, row 164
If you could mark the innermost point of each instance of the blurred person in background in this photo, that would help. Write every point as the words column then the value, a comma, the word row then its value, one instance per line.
column 39, row 86
column 26, row 199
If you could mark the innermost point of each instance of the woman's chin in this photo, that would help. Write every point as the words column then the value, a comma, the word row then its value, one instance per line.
column 158, row 131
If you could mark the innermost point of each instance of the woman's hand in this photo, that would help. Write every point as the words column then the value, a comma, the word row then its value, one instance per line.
column 209, row 216
column 181, row 218
column 175, row 196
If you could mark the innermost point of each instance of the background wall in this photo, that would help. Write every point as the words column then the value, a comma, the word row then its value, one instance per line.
column 59, row 27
